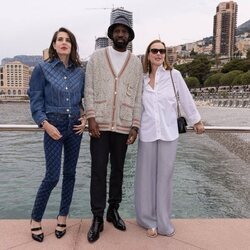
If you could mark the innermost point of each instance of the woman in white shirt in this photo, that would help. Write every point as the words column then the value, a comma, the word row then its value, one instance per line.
column 158, row 139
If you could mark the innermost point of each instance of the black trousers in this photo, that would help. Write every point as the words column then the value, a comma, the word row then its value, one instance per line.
column 111, row 146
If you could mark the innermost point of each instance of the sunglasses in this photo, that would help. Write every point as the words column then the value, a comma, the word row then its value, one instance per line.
column 155, row 51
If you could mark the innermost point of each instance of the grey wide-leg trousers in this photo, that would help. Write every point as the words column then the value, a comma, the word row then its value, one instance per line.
column 153, row 185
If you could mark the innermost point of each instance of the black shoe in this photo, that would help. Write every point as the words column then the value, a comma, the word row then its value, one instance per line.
column 114, row 217
column 59, row 234
column 95, row 229
column 37, row 237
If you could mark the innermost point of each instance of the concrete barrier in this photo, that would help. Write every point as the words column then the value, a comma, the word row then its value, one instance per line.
column 233, row 103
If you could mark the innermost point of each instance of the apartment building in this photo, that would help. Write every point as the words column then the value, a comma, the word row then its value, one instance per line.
column 243, row 44
column 45, row 54
column 14, row 80
column 171, row 55
column 101, row 42
column 1, row 81
column 225, row 23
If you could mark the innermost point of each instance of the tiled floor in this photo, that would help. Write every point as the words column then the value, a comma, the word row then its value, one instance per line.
column 190, row 234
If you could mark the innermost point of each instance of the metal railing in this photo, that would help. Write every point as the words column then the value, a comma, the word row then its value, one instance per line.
column 35, row 128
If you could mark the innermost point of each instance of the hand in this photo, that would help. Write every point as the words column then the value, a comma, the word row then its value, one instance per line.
column 80, row 128
column 199, row 127
column 93, row 128
column 52, row 131
column 132, row 136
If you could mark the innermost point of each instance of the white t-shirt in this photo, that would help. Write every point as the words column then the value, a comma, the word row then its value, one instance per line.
column 117, row 59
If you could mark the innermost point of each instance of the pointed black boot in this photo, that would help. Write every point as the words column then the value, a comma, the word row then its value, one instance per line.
column 114, row 217
column 95, row 229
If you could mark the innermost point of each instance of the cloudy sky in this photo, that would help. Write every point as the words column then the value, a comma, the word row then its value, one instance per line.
column 27, row 26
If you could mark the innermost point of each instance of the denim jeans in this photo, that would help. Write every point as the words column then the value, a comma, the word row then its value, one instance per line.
column 70, row 142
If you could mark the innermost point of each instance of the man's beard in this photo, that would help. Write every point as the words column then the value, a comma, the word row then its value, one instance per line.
column 120, row 45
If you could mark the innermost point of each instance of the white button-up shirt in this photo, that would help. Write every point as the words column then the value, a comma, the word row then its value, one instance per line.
column 159, row 106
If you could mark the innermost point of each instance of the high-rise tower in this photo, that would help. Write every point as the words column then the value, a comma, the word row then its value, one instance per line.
column 225, row 21
column 101, row 42
column 129, row 15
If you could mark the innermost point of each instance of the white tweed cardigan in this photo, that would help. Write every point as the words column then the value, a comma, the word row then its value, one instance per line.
column 114, row 100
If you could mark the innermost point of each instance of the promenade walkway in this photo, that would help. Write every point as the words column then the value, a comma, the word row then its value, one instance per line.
column 190, row 234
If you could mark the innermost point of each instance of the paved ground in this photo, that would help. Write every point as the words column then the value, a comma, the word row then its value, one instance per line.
column 190, row 234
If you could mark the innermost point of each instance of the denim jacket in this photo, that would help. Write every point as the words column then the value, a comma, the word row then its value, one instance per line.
column 55, row 89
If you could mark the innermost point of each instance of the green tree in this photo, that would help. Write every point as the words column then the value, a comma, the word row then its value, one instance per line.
column 183, row 68
column 192, row 53
column 248, row 54
column 245, row 79
column 192, row 82
column 199, row 67
column 236, row 64
column 228, row 78
column 237, row 80
column 213, row 80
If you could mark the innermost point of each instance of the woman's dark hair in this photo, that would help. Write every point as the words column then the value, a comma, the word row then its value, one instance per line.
column 146, row 62
column 73, row 57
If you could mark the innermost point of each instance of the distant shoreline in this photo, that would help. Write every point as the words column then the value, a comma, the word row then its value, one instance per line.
column 15, row 101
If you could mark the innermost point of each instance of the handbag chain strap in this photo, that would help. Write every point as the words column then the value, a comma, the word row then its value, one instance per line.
column 176, row 96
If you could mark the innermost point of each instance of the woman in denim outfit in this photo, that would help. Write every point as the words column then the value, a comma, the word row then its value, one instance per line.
column 56, row 92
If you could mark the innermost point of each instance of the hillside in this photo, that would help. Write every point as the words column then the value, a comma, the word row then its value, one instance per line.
column 245, row 27
column 28, row 60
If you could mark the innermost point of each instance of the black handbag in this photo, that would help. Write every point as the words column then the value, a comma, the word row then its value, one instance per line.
column 181, row 120
column 182, row 123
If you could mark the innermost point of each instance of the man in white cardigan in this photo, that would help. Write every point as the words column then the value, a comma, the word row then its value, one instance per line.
column 113, row 89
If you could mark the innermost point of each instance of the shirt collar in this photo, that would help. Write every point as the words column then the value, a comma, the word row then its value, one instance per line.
column 57, row 61
column 159, row 69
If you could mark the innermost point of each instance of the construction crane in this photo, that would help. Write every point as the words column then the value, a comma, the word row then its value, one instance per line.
column 105, row 8
column 99, row 8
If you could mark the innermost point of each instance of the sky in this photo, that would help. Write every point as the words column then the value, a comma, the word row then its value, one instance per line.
column 27, row 26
